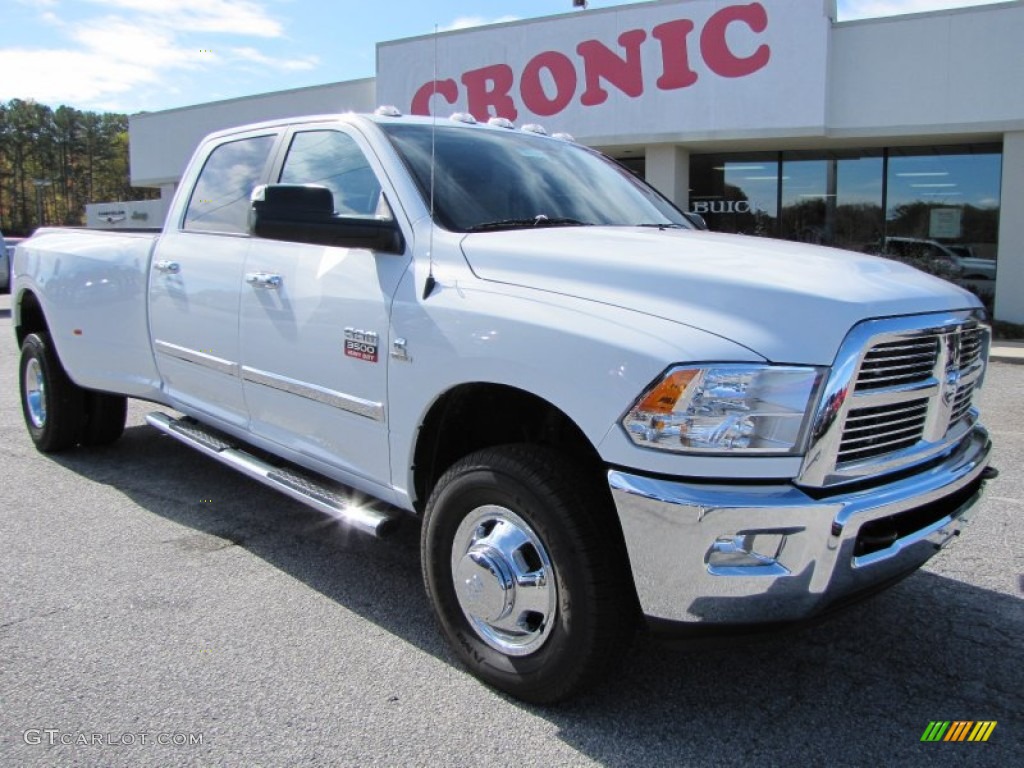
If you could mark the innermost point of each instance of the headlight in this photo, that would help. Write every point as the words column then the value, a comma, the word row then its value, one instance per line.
column 726, row 408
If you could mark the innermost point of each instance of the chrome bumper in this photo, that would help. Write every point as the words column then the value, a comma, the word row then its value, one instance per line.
column 749, row 554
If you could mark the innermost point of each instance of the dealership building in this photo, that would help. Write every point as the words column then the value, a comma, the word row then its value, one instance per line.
column 768, row 118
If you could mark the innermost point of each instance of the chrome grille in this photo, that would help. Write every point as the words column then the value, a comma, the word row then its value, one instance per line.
column 972, row 342
column 882, row 429
column 962, row 403
column 892, row 363
column 901, row 392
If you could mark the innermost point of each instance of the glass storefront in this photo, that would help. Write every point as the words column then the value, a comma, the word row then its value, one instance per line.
column 934, row 207
column 736, row 193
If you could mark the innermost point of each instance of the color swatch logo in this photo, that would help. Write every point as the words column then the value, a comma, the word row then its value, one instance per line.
column 958, row 730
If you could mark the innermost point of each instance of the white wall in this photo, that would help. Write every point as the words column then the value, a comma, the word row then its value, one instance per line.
column 161, row 143
column 1010, row 269
column 667, row 169
column 956, row 74
column 668, row 101
column 929, row 74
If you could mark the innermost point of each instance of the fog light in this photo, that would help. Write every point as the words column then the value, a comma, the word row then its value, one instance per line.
column 747, row 555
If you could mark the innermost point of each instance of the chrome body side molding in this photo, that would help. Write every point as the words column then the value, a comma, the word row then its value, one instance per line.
column 361, row 407
column 350, row 403
column 196, row 357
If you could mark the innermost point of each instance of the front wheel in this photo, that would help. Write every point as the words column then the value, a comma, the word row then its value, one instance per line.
column 526, row 572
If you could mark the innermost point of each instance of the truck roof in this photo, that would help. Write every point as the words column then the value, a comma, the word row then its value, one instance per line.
column 386, row 115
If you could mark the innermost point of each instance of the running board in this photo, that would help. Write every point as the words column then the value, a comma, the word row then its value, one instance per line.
column 314, row 492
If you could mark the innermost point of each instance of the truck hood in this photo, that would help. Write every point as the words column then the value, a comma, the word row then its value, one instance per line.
column 788, row 302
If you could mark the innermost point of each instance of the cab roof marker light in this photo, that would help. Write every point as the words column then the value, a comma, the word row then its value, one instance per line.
column 463, row 117
column 564, row 137
column 501, row 122
column 387, row 110
column 534, row 128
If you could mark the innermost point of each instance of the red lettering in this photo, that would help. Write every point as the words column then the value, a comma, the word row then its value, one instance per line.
column 601, row 62
column 488, row 88
column 715, row 48
column 531, row 88
column 675, row 56
column 446, row 89
column 549, row 81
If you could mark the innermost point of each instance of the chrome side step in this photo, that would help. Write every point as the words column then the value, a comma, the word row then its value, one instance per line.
column 314, row 492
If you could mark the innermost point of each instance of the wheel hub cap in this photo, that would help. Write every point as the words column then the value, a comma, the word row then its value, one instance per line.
column 488, row 586
column 35, row 393
column 504, row 580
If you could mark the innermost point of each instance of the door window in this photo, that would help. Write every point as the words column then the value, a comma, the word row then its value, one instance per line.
column 220, row 199
column 334, row 160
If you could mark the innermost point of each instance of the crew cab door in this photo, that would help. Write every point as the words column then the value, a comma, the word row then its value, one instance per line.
column 196, row 281
column 314, row 320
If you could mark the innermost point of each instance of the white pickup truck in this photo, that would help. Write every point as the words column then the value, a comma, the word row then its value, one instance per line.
column 599, row 411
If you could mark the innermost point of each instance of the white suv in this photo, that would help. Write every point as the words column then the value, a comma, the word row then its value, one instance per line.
column 955, row 262
column 975, row 267
column 6, row 260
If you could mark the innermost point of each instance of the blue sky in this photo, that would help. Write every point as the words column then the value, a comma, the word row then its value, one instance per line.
column 146, row 55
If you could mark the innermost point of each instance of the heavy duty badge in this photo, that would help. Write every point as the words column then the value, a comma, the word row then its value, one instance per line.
column 361, row 345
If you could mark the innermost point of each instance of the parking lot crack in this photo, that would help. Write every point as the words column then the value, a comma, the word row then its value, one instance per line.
column 8, row 624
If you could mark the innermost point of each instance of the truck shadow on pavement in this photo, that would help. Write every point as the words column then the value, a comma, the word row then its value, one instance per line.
column 858, row 689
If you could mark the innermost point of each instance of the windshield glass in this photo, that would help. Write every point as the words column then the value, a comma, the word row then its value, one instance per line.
column 489, row 179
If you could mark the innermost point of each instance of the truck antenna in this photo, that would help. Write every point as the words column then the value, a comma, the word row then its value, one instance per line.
column 431, row 282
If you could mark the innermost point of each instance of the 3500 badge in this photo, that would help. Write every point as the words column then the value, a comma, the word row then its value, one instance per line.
column 361, row 345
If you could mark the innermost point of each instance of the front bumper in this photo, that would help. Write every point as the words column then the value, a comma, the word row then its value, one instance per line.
column 752, row 554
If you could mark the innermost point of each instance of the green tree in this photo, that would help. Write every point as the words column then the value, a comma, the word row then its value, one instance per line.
column 54, row 161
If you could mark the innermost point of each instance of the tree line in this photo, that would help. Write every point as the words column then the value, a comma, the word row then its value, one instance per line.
column 54, row 161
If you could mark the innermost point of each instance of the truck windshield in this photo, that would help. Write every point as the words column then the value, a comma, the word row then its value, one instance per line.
column 492, row 179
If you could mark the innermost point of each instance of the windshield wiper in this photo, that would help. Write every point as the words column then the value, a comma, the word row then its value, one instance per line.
column 664, row 225
column 536, row 221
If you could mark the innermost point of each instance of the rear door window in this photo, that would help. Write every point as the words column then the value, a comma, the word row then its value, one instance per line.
column 220, row 199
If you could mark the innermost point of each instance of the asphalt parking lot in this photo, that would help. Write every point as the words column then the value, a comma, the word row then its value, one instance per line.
column 167, row 611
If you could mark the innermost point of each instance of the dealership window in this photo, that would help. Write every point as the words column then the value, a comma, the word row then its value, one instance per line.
column 832, row 199
column 943, row 199
column 636, row 165
column 736, row 193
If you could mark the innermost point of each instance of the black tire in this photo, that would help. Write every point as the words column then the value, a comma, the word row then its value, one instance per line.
column 55, row 416
column 594, row 611
column 105, row 416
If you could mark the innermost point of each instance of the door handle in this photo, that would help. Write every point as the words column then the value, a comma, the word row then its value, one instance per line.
column 263, row 280
column 168, row 267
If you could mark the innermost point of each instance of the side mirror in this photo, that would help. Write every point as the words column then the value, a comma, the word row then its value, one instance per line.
column 697, row 220
column 304, row 213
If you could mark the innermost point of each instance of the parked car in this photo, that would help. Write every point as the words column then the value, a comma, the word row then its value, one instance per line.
column 7, row 246
column 953, row 262
column 927, row 255
column 975, row 268
column 6, row 259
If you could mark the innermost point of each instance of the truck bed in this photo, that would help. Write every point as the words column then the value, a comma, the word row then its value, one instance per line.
column 92, row 287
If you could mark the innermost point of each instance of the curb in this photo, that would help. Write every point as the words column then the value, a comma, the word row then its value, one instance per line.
column 1007, row 352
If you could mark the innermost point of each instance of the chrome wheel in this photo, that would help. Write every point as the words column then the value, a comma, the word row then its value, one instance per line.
column 35, row 393
column 504, row 581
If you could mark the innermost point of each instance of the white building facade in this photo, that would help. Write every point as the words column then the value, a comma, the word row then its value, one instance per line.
column 768, row 118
